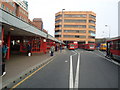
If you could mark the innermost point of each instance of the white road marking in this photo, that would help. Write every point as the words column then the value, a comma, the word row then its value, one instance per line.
column 71, row 74
column 74, row 53
column 76, row 84
column 66, row 61
column 101, row 52
column 71, row 84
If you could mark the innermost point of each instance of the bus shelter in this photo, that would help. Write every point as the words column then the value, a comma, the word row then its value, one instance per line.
column 17, row 34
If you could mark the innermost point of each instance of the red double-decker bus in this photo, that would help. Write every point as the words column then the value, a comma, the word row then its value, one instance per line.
column 113, row 48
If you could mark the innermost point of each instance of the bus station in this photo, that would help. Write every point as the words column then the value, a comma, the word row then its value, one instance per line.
column 17, row 34
column 73, row 58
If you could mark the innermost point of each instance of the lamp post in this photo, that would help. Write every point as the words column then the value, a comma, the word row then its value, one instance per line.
column 103, row 34
column 109, row 29
column 62, row 24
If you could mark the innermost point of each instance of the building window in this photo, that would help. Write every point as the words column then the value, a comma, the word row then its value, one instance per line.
column 70, row 31
column 3, row 6
column 10, row 3
column 77, row 36
column 19, row 10
column 91, row 21
column 93, row 37
column 69, row 15
column 58, row 16
column 91, row 31
column 57, row 35
column 13, row 12
column 82, row 31
column 69, row 36
column 74, row 36
column 90, row 26
column 58, row 30
column 10, row 11
column 26, row 14
column 58, row 21
column 7, row 9
column 58, row 26
column 92, row 16
column 79, row 21
column 7, row 1
column 13, row 4
column 82, row 36
column 75, row 26
column 75, row 31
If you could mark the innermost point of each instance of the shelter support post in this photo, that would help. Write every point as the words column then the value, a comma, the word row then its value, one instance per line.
column 8, row 44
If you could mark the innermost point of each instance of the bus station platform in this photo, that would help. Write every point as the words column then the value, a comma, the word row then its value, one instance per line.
column 20, row 64
column 18, row 35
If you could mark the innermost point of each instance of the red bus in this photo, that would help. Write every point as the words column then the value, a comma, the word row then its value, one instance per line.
column 90, row 46
column 72, row 46
column 76, row 45
column 82, row 46
column 113, row 48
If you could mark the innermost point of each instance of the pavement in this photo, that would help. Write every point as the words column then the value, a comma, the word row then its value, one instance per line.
column 20, row 64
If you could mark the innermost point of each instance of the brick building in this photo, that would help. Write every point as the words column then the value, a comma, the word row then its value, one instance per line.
column 38, row 23
column 77, row 26
column 16, row 7
column 19, row 9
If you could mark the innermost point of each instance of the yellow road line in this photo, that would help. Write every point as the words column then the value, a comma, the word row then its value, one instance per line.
column 29, row 76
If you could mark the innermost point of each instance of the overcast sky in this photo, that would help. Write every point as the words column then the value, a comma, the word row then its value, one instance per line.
column 106, row 13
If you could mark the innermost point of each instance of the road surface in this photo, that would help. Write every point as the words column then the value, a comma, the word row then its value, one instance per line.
column 74, row 69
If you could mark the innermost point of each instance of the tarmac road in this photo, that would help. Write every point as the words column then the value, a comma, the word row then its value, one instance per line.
column 74, row 69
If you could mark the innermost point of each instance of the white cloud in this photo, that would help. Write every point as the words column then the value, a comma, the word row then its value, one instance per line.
column 106, row 10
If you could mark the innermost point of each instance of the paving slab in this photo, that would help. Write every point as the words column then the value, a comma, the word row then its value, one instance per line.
column 19, row 64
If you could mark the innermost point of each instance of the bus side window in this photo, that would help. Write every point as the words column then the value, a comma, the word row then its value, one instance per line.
column 119, row 45
column 115, row 43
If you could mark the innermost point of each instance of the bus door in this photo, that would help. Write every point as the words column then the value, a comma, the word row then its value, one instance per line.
column 108, row 49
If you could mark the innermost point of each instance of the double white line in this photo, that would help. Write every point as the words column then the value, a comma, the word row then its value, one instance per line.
column 76, row 83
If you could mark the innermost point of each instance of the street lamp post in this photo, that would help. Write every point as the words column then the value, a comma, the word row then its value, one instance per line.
column 62, row 24
column 109, row 29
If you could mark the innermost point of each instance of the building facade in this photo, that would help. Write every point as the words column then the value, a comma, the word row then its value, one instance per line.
column 16, row 7
column 38, row 23
column 75, row 26
column 19, row 8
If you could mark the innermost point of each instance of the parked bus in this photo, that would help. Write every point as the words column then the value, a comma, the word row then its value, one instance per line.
column 72, row 46
column 90, row 46
column 81, row 46
column 103, row 47
column 113, row 48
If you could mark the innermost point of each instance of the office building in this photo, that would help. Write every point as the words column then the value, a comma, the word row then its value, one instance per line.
column 75, row 26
